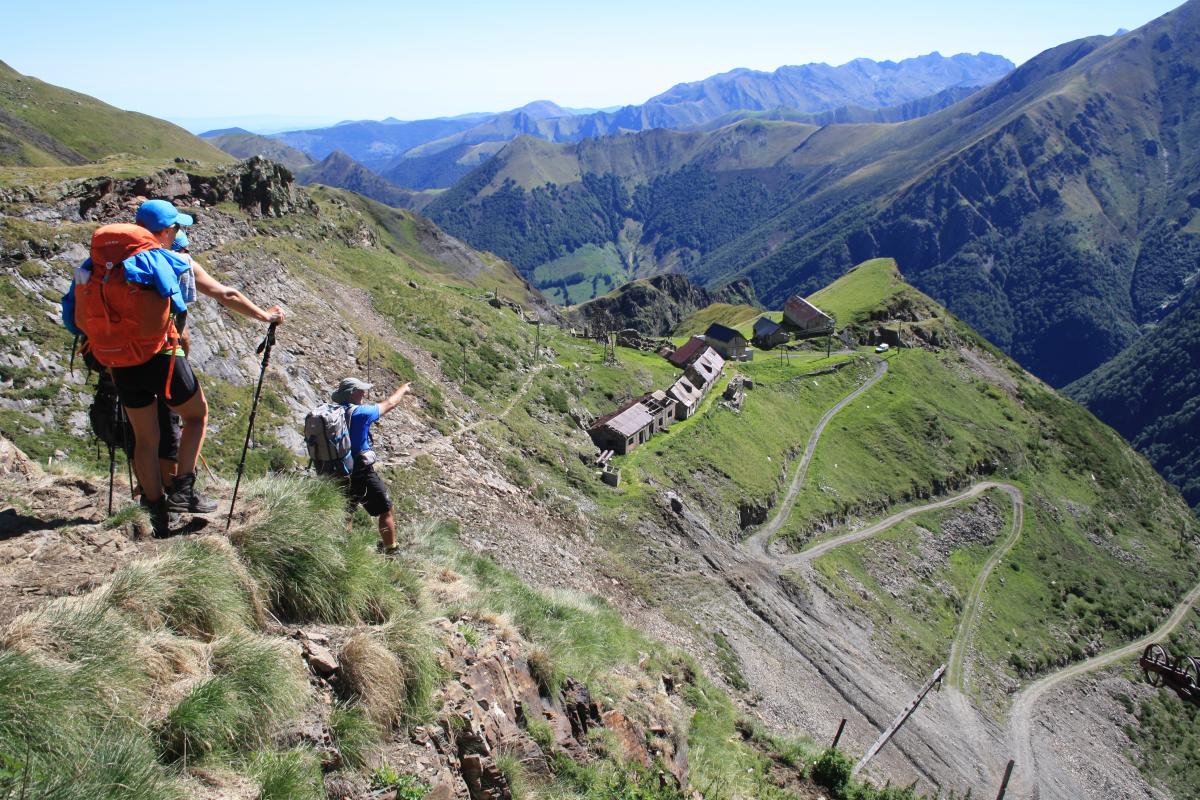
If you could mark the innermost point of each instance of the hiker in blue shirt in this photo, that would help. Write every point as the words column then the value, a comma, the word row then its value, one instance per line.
column 363, row 485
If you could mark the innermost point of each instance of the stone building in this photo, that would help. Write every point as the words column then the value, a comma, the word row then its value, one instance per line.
column 624, row 429
column 806, row 318
column 728, row 342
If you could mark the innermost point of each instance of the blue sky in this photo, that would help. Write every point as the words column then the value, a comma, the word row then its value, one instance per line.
column 287, row 61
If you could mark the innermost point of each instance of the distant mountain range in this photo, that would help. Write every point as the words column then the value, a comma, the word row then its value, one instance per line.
column 1053, row 210
column 435, row 153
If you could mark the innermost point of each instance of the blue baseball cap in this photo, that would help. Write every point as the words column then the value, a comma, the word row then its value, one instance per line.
column 154, row 215
column 181, row 241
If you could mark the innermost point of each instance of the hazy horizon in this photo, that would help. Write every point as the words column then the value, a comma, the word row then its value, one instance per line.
column 276, row 65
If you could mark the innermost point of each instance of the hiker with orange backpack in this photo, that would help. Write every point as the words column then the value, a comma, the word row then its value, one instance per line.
column 124, row 298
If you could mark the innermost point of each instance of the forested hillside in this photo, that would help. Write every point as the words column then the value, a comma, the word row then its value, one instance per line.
column 1151, row 395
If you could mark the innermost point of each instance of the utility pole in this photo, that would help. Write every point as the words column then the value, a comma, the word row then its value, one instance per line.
column 900, row 720
column 1004, row 784
column 838, row 736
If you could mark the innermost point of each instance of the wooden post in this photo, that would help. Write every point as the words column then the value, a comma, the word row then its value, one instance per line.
column 368, row 359
column 828, row 345
column 838, row 736
column 537, row 346
column 1004, row 783
column 900, row 720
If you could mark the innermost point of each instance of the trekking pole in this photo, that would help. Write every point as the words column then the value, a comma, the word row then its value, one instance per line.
column 264, row 347
column 112, row 469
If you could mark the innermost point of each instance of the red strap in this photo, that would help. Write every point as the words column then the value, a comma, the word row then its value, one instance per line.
column 173, row 344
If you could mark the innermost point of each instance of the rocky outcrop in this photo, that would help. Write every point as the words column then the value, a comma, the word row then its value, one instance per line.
column 493, row 704
column 256, row 185
column 655, row 306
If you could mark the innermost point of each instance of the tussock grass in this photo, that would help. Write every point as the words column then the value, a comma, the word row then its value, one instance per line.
column 393, row 670
column 88, row 641
column 131, row 513
column 375, row 675
column 288, row 775
column 197, row 588
column 354, row 734
column 297, row 548
column 62, row 736
column 256, row 683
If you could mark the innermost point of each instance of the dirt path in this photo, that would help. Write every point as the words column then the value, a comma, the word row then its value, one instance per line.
column 517, row 397
column 757, row 544
column 969, row 620
column 1021, row 720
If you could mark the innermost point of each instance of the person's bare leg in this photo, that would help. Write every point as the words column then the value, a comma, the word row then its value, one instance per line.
column 194, row 414
column 144, row 422
column 387, row 528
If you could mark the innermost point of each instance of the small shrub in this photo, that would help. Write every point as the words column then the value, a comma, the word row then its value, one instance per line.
column 542, row 734
column 408, row 787
column 832, row 770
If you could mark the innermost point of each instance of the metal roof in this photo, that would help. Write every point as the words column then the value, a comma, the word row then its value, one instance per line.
column 685, row 392
column 683, row 356
column 708, row 366
column 631, row 420
column 765, row 326
column 721, row 333
column 800, row 311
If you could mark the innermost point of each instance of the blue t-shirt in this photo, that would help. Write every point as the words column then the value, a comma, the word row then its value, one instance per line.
column 360, row 426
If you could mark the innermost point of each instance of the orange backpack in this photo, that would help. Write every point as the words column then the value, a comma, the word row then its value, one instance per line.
column 126, row 323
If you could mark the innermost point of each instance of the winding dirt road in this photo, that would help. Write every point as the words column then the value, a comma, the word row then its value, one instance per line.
column 757, row 543
column 1020, row 720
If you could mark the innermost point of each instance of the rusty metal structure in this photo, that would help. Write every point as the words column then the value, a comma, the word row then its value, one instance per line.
column 1181, row 675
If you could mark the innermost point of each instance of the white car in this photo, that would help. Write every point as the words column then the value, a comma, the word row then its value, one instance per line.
column 883, row 348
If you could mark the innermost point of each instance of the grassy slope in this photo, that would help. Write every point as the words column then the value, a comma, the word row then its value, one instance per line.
column 739, row 317
column 95, row 129
column 1096, row 564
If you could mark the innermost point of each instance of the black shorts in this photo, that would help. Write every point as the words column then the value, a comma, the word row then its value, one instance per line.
column 139, row 386
column 364, row 487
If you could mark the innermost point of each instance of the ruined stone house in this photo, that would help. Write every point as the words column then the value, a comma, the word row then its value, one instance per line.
column 687, row 397
column 705, row 369
column 624, row 429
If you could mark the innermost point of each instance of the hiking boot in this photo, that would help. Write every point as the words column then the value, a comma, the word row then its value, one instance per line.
column 392, row 551
column 186, row 499
column 161, row 518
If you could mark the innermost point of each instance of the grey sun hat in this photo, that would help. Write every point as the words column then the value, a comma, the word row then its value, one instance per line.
column 348, row 386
